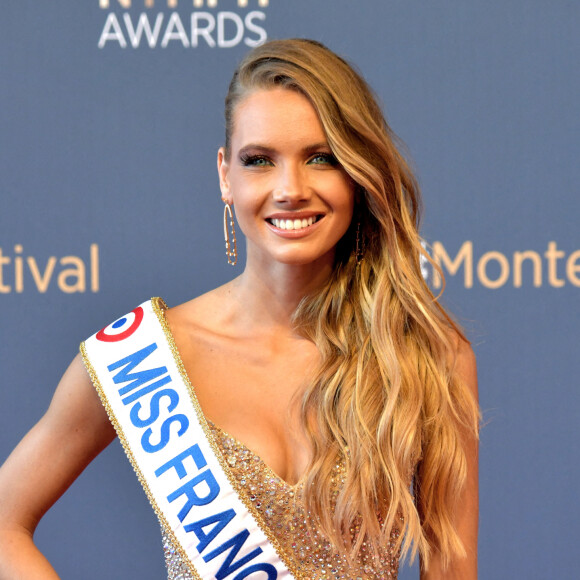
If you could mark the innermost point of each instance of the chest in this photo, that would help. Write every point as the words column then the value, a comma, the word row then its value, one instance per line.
column 253, row 390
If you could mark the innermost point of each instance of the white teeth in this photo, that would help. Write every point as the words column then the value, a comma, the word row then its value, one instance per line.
column 293, row 224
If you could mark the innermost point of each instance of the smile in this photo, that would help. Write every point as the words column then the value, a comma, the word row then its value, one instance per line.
column 293, row 224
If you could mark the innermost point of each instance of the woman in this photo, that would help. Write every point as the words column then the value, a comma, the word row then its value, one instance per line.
column 338, row 396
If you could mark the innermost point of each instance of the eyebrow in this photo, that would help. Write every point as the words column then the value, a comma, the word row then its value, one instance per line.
column 266, row 149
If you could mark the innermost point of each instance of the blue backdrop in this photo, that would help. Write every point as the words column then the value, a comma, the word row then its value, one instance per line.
column 110, row 119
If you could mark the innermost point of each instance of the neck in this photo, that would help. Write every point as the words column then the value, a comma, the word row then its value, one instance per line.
column 266, row 298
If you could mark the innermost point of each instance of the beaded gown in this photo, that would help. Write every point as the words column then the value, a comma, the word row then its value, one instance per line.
column 281, row 510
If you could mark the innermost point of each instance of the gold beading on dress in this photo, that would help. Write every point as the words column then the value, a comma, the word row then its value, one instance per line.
column 282, row 511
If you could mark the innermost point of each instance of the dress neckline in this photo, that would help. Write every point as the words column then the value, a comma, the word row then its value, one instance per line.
column 162, row 308
column 271, row 473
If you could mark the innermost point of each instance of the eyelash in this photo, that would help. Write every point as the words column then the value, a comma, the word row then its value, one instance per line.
column 328, row 158
column 248, row 160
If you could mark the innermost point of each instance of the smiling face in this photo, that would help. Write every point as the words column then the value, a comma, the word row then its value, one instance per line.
column 292, row 199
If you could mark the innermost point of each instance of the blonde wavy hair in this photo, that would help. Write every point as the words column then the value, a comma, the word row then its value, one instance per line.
column 385, row 400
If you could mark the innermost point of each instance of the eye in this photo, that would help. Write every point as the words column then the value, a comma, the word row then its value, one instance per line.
column 255, row 161
column 323, row 159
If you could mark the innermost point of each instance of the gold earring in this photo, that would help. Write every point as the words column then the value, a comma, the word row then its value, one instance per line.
column 359, row 248
column 230, row 235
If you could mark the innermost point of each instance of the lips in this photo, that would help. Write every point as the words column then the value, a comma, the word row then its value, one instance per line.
column 293, row 223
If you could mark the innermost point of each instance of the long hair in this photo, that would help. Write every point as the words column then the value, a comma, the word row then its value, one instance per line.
column 385, row 400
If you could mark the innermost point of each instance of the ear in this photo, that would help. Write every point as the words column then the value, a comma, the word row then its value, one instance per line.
column 223, row 172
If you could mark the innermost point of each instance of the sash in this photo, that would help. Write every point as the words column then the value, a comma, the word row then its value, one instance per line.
column 138, row 373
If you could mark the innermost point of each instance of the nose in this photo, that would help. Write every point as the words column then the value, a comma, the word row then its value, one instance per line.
column 292, row 186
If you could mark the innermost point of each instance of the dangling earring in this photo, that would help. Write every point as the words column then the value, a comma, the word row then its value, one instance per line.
column 230, row 235
column 359, row 248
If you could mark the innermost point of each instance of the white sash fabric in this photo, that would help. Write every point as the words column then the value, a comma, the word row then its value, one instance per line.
column 142, row 383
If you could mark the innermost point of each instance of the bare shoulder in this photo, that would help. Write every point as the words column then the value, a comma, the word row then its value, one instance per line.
column 462, row 360
column 203, row 313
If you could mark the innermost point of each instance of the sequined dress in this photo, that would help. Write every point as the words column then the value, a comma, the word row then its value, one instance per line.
column 281, row 509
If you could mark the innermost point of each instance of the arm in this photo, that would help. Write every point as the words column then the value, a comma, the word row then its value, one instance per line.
column 50, row 457
column 467, row 516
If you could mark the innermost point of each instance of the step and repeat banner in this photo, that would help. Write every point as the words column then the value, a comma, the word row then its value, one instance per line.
column 110, row 120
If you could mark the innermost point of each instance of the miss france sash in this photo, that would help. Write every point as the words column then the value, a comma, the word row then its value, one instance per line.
column 141, row 380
